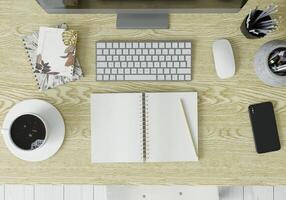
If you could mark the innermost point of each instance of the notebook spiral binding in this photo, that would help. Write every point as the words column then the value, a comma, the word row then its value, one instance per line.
column 145, row 129
column 28, row 50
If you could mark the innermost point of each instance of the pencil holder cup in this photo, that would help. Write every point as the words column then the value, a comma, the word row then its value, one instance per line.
column 245, row 30
column 261, row 63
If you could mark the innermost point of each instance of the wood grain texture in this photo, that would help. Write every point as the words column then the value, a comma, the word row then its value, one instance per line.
column 226, row 148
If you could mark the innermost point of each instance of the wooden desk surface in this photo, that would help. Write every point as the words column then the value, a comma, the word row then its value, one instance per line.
column 226, row 148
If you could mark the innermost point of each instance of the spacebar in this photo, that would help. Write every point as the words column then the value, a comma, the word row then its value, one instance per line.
column 140, row 77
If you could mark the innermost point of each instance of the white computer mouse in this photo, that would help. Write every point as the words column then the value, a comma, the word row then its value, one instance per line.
column 223, row 59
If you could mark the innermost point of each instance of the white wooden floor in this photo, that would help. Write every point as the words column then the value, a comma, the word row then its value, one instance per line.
column 94, row 192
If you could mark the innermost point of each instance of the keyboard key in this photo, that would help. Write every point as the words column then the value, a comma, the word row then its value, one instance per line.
column 170, row 64
column 186, row 51
column 100, row 45
column 181, row 77
column 174, row 77
column 115, row 45
column 162, row 45
column 161, row 58
column 127, row 71
column 168, row 77
column 130, row 64
column 158, row 51
column 188, row 77
column 181, row 45
column 137, row 64
column 133, row 71
column 140, row 71
column 100, row 71
column 115, row 58
column 163, row 64
column 143, row 64
column 107, row 71
column 168, row 45
column 112, row 52
column 184, row 71
column 99, row 77
column 166, row 71
column 114, row 71
column 160, row 71
column 188, row 45
column 128, row 58
column 150, row 64
column 135, row 45
column 119, row 77
column 109, row 58
column 101, row 64
column 117, row 64
column 174, row 45
column 125, row 51
column 122, row 45
column 109, row 45
column 100, row 58
column 173, row 71
column 155, row 45
column 124, row 64
column 145, row 52
column 120, row 71
column 153, row 71
column 122, row 58
column 161, row 77
column 148, row 58
column 128, row 45
column 132, row 51
column 148, row 45
column 112, row 77
column 156, row 64
column 171, row 51
column 183, row 64
column 141, row 45
column 140, row 77
column 98, row 51
column 110, row 64
column 155, row 58
column 118, row 52
column 151, row 51
column 181, row 58
column 146, row 71
column 176, row 64
column 178, row 51
column 105, row 77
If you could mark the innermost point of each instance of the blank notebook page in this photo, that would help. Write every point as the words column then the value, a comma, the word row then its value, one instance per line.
column 116, row 130
column 170, row 138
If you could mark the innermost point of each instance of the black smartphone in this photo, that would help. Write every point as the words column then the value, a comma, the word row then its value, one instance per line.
column 264, row 127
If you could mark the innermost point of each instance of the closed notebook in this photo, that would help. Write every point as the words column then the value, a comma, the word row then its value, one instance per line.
column 144, row 127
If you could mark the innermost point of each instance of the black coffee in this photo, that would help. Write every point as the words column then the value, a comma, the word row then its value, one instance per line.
column 28, row 132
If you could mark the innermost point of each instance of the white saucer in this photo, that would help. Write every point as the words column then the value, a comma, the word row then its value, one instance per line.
column 53, row 120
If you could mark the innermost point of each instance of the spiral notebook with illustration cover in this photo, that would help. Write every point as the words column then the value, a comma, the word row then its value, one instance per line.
column 53, row 63
column 144, row 127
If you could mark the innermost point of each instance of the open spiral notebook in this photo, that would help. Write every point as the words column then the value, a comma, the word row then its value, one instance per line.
column 144, row 127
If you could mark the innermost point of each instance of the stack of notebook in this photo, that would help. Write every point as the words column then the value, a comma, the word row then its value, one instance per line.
column 144, row 127
column 51, row 52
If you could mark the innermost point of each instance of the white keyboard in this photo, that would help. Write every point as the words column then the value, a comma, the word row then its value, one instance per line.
column 143, row 61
